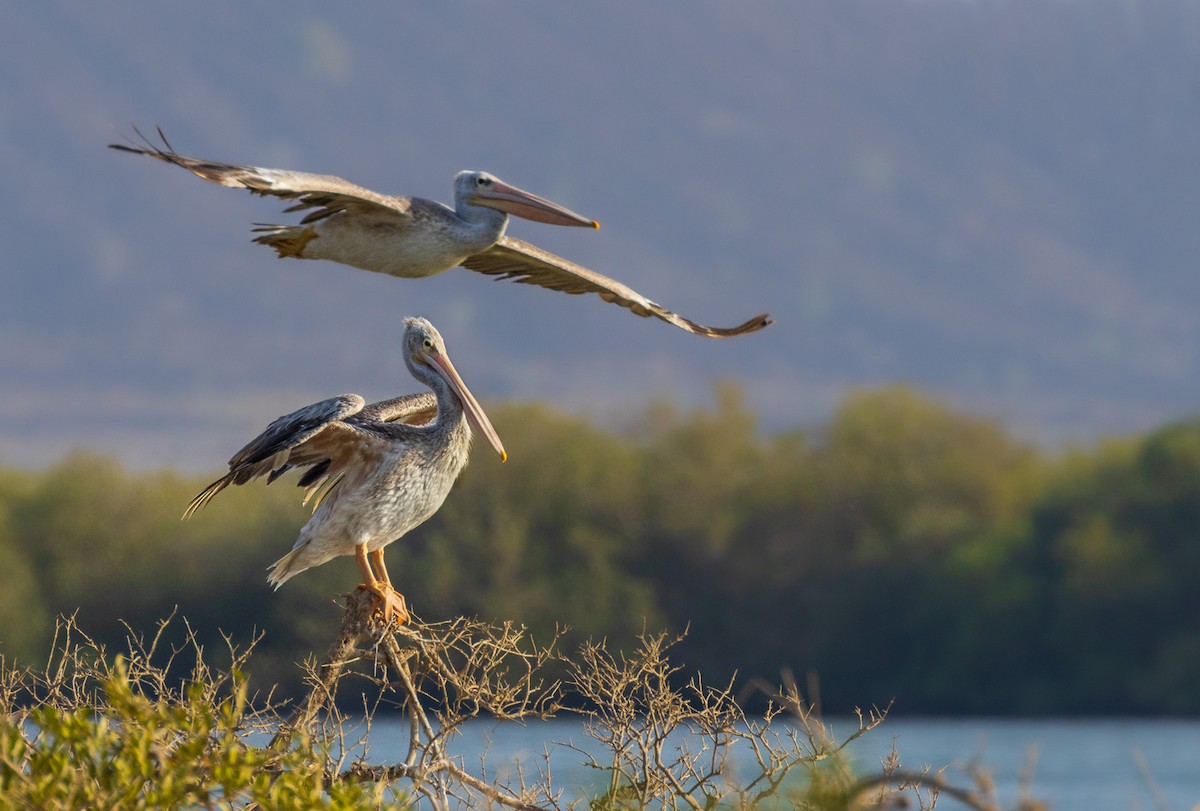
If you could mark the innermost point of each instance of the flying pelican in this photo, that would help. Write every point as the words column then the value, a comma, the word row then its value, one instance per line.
column 412, row 237
column 376, row 471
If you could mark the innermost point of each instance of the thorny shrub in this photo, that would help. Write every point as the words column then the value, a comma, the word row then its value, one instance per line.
column 96, row 730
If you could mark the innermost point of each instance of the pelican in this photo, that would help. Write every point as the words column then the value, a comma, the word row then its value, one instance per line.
column 375, row 471
column 412, row 237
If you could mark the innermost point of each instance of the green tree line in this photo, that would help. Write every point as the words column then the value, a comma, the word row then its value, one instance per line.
column 902, row 550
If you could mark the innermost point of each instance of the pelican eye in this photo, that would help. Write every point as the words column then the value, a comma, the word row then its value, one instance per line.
column 429, row 343
column 483, row 181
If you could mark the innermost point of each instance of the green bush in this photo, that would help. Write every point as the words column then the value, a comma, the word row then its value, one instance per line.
column 125, row 732
column 1038, row 582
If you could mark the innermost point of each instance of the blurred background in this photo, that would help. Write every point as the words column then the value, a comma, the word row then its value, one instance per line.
column 957, row 471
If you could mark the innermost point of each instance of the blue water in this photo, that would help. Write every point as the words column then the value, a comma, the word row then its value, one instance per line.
column 1072, row 765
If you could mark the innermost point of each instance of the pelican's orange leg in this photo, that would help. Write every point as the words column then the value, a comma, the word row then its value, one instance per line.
column 390, row 600
column 378, row 567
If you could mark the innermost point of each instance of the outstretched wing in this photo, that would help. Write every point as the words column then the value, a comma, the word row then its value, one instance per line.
column 408, row 409
column 515, row 259
column 325, row 194
column 287, row 442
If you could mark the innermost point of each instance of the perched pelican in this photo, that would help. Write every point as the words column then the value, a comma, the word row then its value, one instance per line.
column 376, row 471
column 413, row 237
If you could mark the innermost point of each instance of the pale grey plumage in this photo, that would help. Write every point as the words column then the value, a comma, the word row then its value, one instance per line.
column 376, row 471
column 412, row 237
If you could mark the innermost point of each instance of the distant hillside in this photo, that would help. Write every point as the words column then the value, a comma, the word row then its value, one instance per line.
column 993, row 201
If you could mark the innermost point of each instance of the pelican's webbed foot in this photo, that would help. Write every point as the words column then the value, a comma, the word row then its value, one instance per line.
column 388, row 600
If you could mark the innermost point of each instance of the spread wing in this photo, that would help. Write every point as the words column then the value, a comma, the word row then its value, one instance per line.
column 318, row 435
column 515, row 259
column 321, row 476
column 325, row 194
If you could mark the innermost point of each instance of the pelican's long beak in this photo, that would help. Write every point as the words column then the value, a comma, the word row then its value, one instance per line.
column 441, row 364
column 521, row 203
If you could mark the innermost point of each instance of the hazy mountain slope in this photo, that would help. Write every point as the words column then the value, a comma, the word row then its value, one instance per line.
column 992, row 200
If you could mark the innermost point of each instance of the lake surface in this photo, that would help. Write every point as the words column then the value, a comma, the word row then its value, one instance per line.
column 1083, row 765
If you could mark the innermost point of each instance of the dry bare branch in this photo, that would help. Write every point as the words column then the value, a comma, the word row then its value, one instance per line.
column 668, row 741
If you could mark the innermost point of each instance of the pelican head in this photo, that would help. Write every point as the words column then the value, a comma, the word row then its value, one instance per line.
column 425, row 354
column 489, row 191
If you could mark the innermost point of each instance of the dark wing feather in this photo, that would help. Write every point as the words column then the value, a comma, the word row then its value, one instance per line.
column 272, row 451
column 326, row 194
column 314, row 475
column 338, row 450
column 408, row 409
column 515, row 259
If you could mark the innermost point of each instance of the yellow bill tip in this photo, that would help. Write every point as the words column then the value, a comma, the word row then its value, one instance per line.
column 503, row 456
